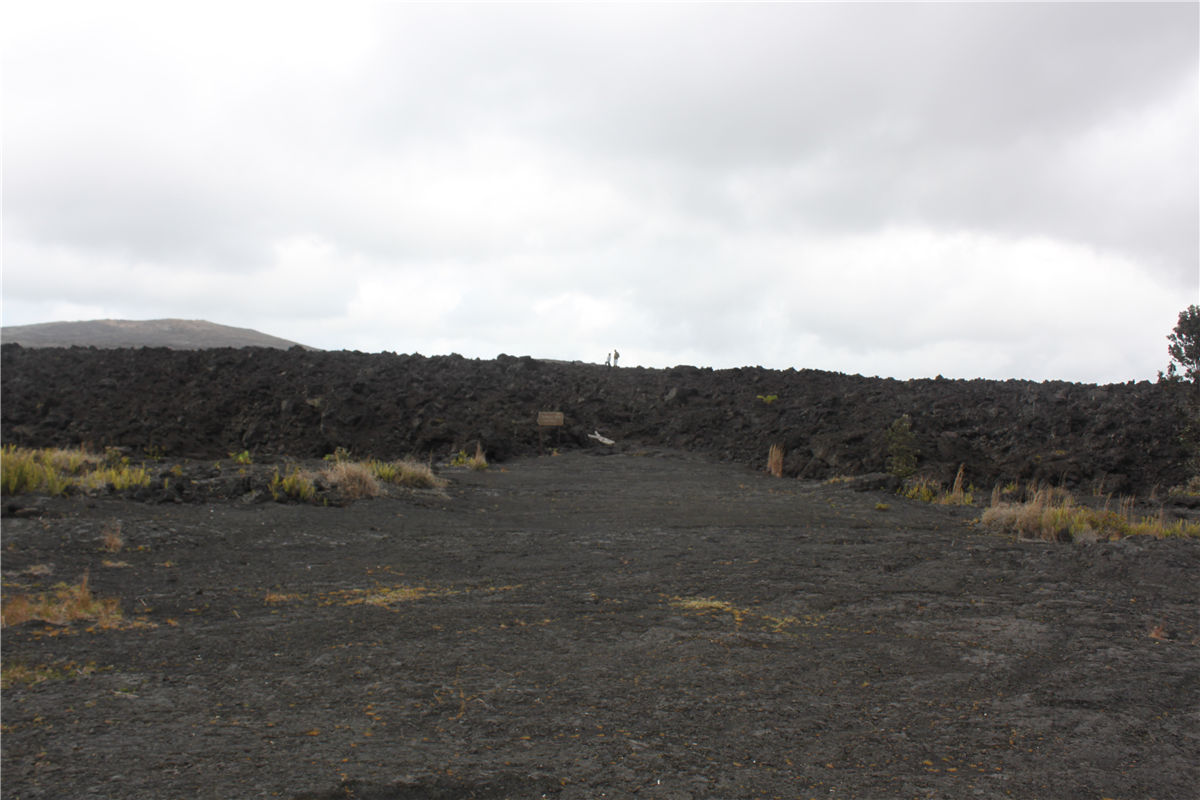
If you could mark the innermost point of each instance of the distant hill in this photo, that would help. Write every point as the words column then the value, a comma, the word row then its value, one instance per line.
column 177, row 334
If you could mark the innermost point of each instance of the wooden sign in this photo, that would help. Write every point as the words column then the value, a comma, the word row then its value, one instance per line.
column 550, row 419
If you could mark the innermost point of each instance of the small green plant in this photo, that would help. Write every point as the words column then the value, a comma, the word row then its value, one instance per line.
column 461, row 458
column 902, row 447
column 882, row 506
column 768, row 398
column 923, row 489
column 296, row 485
column 338, row 455
column 118, row 478
column 242, row 458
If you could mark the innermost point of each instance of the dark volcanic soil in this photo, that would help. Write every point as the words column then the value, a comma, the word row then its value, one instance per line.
column 589, row 626
column 1124, row 438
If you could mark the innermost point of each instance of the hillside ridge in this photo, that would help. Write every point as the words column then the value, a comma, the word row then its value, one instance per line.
column 175, row 334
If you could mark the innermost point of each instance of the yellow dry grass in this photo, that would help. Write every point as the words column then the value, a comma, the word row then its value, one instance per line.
column 408, row 473
column 478, row 461
column 931, row 491
column 111, row 540
column 1053, row 515
column 64, row 604
column 385, row 596
column 775, row 460
column 710, row 605
column 355, row 479
column 54, row 470
column 277, row 598
column 19, row 673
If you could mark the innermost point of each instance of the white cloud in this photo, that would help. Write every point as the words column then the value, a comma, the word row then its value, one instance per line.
column 908, row 189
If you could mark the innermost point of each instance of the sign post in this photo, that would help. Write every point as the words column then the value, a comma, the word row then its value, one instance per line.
column 548, row 419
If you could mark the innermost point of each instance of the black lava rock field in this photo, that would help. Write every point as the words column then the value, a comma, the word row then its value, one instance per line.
column 1123, row 438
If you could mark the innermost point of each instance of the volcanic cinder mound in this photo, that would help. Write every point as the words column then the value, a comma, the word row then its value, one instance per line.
column 303, row 404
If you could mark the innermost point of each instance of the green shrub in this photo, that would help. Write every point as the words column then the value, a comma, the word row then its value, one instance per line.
column 1184, row 348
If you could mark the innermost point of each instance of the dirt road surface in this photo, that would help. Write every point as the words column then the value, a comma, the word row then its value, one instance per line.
column 598, row 626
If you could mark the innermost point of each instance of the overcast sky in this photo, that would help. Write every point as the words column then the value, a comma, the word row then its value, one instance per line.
column 901, row 190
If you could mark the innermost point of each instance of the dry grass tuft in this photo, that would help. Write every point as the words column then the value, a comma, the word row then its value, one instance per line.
column 278, row 598
column 743, row 615
column 478, row 461
column 931, row 491
column 23, row 470
column 65, row 604
column 1189, row 489
column 111, row 540
column 957, row 497
column 1053, row 515
column 385, row 596
column 407, row 472
column 54, row 471
column 355, row 479
column 775, row 460
column 14, row 673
